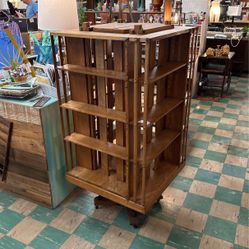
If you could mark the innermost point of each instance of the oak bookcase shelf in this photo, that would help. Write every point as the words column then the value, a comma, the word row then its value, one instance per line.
column 94, row 72
column 159, row 144
column 97, row 144
column 159, row 72
column 161, row 109
column 95, row 110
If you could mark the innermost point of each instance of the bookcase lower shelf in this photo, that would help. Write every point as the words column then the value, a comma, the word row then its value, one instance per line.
column 110, row 188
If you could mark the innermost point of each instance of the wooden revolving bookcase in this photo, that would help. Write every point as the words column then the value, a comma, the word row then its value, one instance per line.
column 125, row 101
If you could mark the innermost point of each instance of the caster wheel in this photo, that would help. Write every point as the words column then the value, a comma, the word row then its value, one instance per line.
column 159, row 199
column 136, row 220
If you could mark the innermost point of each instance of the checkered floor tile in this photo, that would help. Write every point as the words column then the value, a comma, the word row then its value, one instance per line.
column 206, row 206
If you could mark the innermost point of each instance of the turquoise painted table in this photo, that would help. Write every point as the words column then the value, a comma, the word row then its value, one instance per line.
column 37, row 164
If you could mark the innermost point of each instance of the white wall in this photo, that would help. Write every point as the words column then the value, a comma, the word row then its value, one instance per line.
column 194, row 6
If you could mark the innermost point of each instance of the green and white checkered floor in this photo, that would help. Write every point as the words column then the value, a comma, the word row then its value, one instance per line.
column 205, row 207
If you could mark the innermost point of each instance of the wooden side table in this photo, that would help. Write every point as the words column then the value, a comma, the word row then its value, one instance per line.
column 215, row 65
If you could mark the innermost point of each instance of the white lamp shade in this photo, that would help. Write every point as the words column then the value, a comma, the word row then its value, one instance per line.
column 21, row 5
column 234, row 10
column 3, row 5
column 196, row 6
column 57, row 15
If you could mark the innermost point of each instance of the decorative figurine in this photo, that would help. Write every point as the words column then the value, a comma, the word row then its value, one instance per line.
column 225, row 50
column 210, row 52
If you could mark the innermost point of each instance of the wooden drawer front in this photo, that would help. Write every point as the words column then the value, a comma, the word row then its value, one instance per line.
column 34, row 189
column 27, row 159
column 24, row 170
column 28, row 137
column 20, row 113
column 28, row 164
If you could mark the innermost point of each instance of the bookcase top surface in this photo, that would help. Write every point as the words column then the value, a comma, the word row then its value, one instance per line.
column 119, row 36
column 129, row 28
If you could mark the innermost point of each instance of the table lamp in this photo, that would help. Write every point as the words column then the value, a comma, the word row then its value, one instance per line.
column 3, row 5
column 57, row 15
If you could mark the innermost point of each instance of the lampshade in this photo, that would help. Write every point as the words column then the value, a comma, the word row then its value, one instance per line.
column 21, row 5
column 57, row 15
column 196, row 6
column 234, row 10
column 3, row 5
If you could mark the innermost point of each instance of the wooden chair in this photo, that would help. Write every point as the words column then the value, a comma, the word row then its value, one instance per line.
column 5, row 140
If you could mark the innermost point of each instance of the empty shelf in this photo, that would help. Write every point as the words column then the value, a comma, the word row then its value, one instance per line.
column 99, row 145
column 160, row 72
column 159, row 144
column 98, row 178
column 95, row 110
column 94, row 71
column 159, row 180
column 163, row 108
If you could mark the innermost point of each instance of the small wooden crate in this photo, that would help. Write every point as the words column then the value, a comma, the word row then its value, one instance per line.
column 129, row 99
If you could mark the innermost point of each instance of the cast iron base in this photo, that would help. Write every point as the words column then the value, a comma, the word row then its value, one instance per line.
column 135, row 218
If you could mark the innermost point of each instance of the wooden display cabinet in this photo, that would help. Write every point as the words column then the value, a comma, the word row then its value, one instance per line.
column 130, row 100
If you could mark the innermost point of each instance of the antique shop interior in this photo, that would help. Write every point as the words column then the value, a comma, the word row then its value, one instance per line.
column 124, row 124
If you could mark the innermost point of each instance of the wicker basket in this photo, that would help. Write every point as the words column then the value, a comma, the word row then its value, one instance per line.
column 19, row 79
